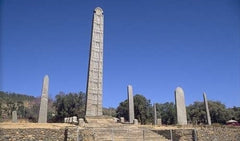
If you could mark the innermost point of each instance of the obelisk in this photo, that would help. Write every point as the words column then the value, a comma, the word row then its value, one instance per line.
column 130, row 104
column 95, row 67
column 180, row 106
column 44, row 101
column 207, row 110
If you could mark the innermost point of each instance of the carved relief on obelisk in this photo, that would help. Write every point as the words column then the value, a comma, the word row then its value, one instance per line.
column 95, row 66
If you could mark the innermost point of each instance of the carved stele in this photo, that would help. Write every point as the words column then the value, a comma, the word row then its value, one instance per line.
column 95, row 67
column 130, row 104
column 44, row 101
column 180, row 106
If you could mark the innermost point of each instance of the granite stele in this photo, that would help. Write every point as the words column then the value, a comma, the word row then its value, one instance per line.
column 44, row 101
column 207, row 110
column 180, row 106
column 130, row 103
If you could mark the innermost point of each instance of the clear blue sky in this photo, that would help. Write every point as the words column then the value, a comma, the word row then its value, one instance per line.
column 154, row 45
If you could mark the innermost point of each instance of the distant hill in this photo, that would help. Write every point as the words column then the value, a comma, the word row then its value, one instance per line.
column 14, row 97
column 22, row 103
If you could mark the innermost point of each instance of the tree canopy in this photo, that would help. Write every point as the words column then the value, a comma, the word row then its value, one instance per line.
column 142, row 109
column 67, row 105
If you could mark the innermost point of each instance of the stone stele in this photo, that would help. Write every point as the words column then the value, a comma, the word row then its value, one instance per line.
column 95, row 67
column 44, row 101
column 155, row 113
column 130, row 103
column 14, row 116
column 207, row 110
column 180, row 106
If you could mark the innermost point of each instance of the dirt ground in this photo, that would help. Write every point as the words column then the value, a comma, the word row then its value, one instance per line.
column 9, row 125
column 26, row 124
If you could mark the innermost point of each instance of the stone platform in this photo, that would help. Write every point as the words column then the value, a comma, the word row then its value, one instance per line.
column 100, row 121
column 104, row 128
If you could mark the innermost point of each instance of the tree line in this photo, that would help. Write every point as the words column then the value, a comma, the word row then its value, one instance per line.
column 196, row 113
column 73, row 104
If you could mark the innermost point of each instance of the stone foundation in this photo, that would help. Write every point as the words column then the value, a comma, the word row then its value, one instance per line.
column 69, row 133
column 221, row 133
column 40, row 134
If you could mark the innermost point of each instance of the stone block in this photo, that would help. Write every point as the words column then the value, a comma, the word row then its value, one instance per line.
column 81, row 122
column 122, row 120
column 135, row 122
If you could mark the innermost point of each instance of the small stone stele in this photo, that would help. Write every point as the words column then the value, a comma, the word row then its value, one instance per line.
column 14, row 116
column 81, row 122
column 75, row 119
column 122, row 120
column 115, row 120
column 159, row 121
column 71, row 119
column 135, row 122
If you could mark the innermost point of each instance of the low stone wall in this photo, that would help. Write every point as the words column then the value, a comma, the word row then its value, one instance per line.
column 40, row 134
column 204, row 133
column 177, row 134
column 221, row 133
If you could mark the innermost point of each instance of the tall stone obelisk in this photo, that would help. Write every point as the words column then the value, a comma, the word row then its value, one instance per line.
column 130, row 104
column 44, row 101
column 180, row 106
column 207, row 110
column 95, row 67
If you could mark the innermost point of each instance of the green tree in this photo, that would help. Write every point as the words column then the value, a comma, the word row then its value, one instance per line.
column 122, row 110
column 142, row 109
column 235, row 113
column 32, row 112
column 109, row 111
column 196, row 113
column 20, row 109
column 166, row 112
column 218, row 112
column 71, row 104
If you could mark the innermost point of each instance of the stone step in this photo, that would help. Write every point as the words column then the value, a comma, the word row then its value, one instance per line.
column 104, row 134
